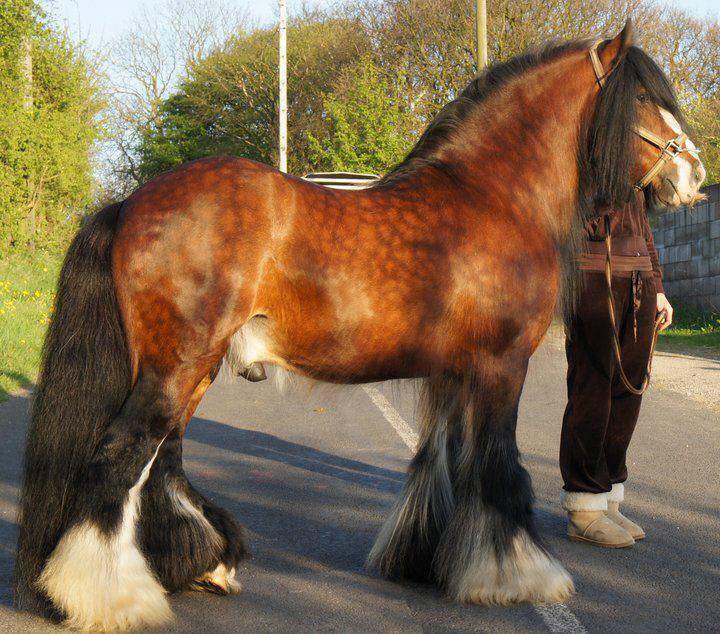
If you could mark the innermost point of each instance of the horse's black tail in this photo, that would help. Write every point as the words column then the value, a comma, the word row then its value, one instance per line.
column 84, row 380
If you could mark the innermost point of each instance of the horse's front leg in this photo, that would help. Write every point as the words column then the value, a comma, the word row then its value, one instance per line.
column 405, row 547
column 464, row 519
column 489, row 551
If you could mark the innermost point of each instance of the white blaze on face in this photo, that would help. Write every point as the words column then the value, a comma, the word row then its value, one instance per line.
column 685, row 184
column 677, row 129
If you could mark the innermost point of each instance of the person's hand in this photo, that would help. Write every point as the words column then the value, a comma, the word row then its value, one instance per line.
column 663, row 306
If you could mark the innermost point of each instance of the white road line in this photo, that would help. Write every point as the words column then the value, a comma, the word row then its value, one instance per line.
column 557, row 617
column 407, row 433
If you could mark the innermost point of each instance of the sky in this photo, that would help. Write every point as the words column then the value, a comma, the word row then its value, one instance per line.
column 100, row 21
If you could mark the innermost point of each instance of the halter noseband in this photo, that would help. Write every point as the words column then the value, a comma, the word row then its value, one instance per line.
column 668, row 149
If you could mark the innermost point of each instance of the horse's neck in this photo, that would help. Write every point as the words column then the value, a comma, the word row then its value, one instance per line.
column 519, row 148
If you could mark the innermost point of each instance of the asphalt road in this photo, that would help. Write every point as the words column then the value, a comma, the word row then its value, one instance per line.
column 312, row 479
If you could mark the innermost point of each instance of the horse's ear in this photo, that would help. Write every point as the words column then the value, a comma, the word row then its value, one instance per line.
column 613, row 51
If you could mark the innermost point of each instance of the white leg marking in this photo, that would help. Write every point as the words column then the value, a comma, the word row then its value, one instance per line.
column 105, row 583
column 388, row 530
column 430, row 490
column 410, row 438
column 525, row 573
column 185, row 507
column 222, row 578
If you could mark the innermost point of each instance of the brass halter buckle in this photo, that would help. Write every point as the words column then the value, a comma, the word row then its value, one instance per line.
column 668, row 149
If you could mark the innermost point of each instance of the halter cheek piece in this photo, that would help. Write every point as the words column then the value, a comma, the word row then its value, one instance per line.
column 668, row 149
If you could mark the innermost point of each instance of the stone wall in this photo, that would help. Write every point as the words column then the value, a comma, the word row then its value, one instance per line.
column 688, row 244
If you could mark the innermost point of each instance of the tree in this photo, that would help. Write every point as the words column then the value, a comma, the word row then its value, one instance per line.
column 49, row 123
column 367, row 126
column 230, row 99
column 422, row 52
column 704, row 117
column 159, row 48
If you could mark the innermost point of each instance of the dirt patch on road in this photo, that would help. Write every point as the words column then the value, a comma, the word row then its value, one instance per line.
column 698, row 378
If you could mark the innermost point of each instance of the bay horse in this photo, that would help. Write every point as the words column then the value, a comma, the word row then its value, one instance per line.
column 448, row 269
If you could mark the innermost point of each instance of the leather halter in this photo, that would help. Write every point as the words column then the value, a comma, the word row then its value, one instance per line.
column 668, row 149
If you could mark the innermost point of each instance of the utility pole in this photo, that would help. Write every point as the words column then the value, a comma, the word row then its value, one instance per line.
column 283, row 87
column 481, row 35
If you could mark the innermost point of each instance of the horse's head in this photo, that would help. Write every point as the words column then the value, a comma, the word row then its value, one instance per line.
column 636, row 139
column 668, row 160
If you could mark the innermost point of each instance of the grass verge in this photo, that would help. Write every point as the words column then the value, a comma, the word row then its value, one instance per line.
column 694, row 331
column 27, row 294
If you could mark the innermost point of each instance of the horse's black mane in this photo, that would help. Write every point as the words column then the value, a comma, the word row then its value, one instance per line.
column 606, row 145
column 455, row 112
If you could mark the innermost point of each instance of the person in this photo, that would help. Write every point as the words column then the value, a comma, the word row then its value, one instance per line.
column 601, row 412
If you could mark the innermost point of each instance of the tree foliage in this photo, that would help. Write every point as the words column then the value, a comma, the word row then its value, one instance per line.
column 229, row 102
column 366, row 123
column 48, row 125
column 365, row 79
column 704, row 116
column 163, row 42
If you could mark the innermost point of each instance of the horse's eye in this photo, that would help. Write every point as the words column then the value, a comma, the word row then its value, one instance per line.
column 643, row 98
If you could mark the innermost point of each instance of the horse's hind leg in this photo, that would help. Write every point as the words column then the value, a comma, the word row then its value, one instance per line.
column 490, row 552
column 191, row 542
column 97, row 575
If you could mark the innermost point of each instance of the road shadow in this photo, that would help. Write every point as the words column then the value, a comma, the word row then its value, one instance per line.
column 17, row 377
column 268, row 447
column 263, row 488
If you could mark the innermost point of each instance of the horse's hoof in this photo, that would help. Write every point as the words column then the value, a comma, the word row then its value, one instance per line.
column 219, row 581
column 254, row 372
column 525, row 573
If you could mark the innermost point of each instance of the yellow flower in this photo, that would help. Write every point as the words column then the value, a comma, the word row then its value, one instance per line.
column 26, row 293
column 37, row 293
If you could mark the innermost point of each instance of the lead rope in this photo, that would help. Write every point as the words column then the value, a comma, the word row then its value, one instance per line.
column 616, row 337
